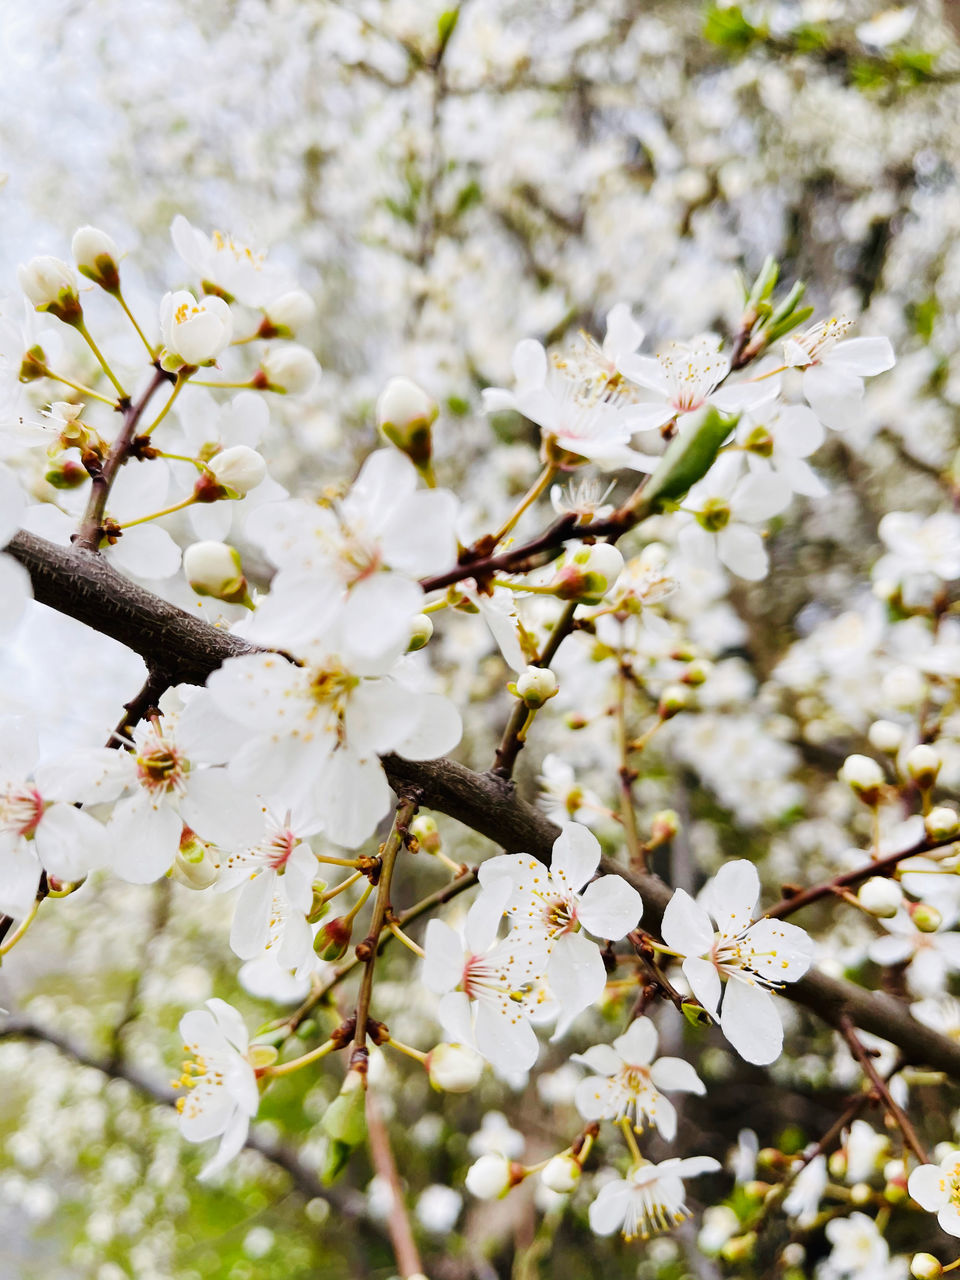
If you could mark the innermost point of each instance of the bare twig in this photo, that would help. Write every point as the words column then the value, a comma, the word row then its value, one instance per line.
column 862, row 1055
column 398, row 1220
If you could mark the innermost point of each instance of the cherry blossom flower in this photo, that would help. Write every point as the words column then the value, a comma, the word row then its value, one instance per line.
column 15, row 588
column 859, row 1250
column 193, row 331
column 724, row 505
column 40, row 828
column 931, row 956
column 549, row 914
column 225, row 264
column 276, row 877
column 649, row 1200
column 778, row 440
column 317, row 730
column 686, row 377
column 921, row 553
column 220, row 1082
column 587, row 418
column 628, row 1082
column 834, row 368
column 352, row 566
column 754, row 957
column 936, row 1188
column 490, row 989
column 600, row 361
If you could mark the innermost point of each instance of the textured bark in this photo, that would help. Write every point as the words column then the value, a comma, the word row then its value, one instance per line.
column 183, row 648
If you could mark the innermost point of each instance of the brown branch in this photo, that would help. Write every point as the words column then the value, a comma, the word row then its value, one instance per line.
column 398, row 1220
column 85, row 587
column 879, row 1086
column 91, row 525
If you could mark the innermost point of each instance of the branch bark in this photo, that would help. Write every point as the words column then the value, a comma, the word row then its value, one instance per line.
column 82, row 585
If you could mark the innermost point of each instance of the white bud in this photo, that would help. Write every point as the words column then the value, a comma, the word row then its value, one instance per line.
column 904, row 687
column 454, row 1068
column 290, row 370
column 861, row 1193
column 421, row 631
column 291, row 311
column 674, row 699
column 51, row 286
column 195, row 866
column 238, row 468
column 488, row 1177
column 195, row 332
column 561, row 1174
column 923, row 765
column 926, row 917
column 880, row 896
column 214, row 569
column 885, row 735
column 589, row 573
column 941, row 822
column 864, row 776
column 96, row 255
column 925, row 1266
column 536, row 685
column 405, row 415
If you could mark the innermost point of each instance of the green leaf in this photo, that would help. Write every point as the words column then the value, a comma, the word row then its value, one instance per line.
column 728, row 28
column 446, row 25
column 686, row 460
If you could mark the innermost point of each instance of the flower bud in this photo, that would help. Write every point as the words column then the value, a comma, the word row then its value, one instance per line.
column 942, row 822
column 194, row 333
column 674, row 699
column 861, row 1193
column 287, row 314
column 864, row 776
column 345, row 1124
column 740, row 1248
column 333, row 939
column 924, row 1266
column 405, row 415
column 561, row 1174
column 589, row 574
column 880, row 896
column 489, row 1177
column 926, row 918
column 535, row 686
column 454, row 1068
column 214, row 569
column 923, row 765
column 237, row 470
column 664, row 826
column 904, row 687
column 425, row 828
column 66, row 474
column 51, row 286
column 96, row 256
column 885, row 735
column 194, row 866
column 794, row 1255
column 421, row 631
column 290, row 371
column 697, row 672
column 837, row 1164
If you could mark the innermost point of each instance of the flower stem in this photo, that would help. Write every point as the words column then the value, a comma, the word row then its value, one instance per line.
column 178, row 387
column 167, row 511
column 528, row 499
column 88, row 392
column 21, row 929
column 408, row 1050
column 130, row 316
column 408, row 942
column 287, row 1068
column 332, row 893
column 101, row 359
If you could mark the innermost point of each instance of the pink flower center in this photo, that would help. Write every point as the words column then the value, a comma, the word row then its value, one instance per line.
column 21, row 811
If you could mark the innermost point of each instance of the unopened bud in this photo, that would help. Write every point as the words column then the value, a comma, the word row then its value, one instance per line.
column 740, row 1248
column 837, row 1164
column 664, row 827
column 561, row 1174
column 923, row 765
column 941, row 823
column 794, row 1255
column 880, row 896
column 333, row 939
column 589, row 574
column 236, row 470
column 864, row 776
column 290, row 370
column 97, row 257
column 345, row 1122
column 697, row 672
column 318, row 907
column 51, row 286
column 674, row 699
column 924, row 1266
column 66, row 474
column 288, row 314
column 214, row 569
column 454, row 1068
column 194, row 866
column 421, row 631
column 425, row 828
column 33, row 365
column 885, row 735
column 861, row 1193
column 489, row 1177
column 535, row 686
column 926, row 918
column 405, row 415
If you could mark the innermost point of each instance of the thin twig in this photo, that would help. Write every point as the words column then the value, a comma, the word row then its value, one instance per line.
column 859, row 1051
column 398, row 1220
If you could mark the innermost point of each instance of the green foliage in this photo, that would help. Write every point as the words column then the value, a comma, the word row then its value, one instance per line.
column 729, row 28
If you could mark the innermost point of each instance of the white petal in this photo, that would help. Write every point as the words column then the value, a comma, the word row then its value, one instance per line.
column 686, row 927
column 251, row 917
column 610, row 1207
column 732, row 895
column 759, row 496
column 509, row 1044
column 750, row 1021
column 218, row 811
column 355, row 795
column 529, row 363
column 638, row 1044
column 421, row 537
column 741, row 549
column 437, row 729
column 443, row 963
column 862, row 356
column 234, row 1137
column 926, row 1187
column 69, row 842
column 19, row 878
column 610, row 908
column 484, row 916
column 704, row 982
column 16, row 591
column 576, row 856
column 145, row 551
column 576, row 973
column 143, row 840
column 676, row 1075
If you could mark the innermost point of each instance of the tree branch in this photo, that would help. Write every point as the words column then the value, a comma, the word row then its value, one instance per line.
column 83, row 586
